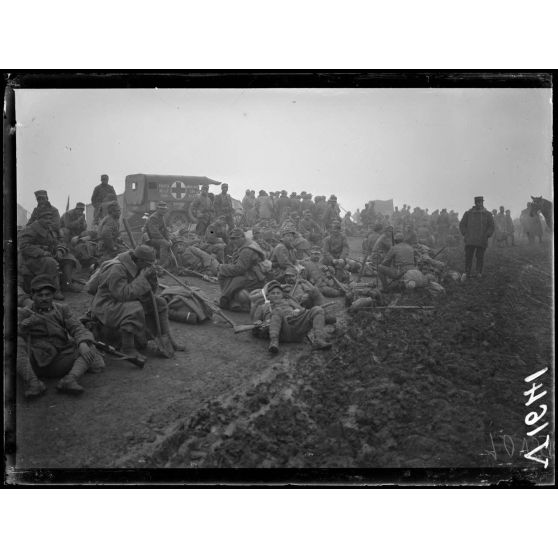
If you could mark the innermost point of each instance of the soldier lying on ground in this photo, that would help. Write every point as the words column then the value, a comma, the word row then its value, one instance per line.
column 123, row 299
column 290, row 322
column 44, row 348
column 194, row 258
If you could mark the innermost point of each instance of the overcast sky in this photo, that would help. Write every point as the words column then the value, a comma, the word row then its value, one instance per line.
column 433, row 148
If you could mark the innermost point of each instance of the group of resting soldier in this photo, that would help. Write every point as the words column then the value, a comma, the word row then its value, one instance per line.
column 280, row 276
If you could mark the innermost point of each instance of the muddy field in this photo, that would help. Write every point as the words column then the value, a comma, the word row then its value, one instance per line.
column 437, row 388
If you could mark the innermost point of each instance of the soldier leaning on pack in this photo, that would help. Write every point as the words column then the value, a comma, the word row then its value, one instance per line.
column 290, row 322
column 157, row 235
column 44, row 347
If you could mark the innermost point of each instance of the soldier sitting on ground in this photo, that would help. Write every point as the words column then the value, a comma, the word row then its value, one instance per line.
column 123, row 300
column 284, row 255
column 110, row 242
column 43, row 254
column 316, row 273
column 245, row 273
column 44, row 347
column 43, row 203
column 156, row 234
column 73, row 223
column 399, row 259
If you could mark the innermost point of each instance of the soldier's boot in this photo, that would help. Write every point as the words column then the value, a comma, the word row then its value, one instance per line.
column 128, row 344
column 318, row 325
column 69, row 383
column 33, row 387
column 165, row 331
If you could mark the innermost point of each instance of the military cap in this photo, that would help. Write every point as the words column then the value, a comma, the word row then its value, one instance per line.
column 224, row 185
column 80, row 205
column 336, row 224
column 262, row 193
column 478, row 198
column 332, row 198
column 112, row 204
column 273, row 285
column 307, row 212
column 398, row 236
column 162, row 205
column 287, row 230
column 206, row 187
column 42, row 282
column 41, row 193
column 104, row 176
column 237, row 233
column 315, row 251
column 146, row 253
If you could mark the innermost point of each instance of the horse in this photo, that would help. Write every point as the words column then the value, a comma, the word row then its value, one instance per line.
column 545, row 207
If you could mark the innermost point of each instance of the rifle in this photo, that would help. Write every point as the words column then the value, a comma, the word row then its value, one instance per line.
column 138, row 360
column 127, row 227
column 362, row 268
column 439, row 252
column 344, row 288
column 395, row 308
column 208, row 278
column 250, row 327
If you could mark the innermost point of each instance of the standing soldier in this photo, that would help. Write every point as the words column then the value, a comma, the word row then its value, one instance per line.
column 102, row 193
column 156, row 233
column 332, row 212
column 73, row 223
column 477, row 226
column 223, row 206
column 202, row 209
column 283, row 207
column 264, row 206
column 509, row 228
column 44, row 345
column 42, row 202
column 109, row 233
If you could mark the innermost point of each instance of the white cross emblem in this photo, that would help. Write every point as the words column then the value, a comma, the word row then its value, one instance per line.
column 178, row 189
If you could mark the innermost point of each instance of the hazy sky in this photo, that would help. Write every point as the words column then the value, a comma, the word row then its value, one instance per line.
column 429, row 147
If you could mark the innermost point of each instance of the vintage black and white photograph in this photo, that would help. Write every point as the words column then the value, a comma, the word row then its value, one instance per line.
column 281, row 278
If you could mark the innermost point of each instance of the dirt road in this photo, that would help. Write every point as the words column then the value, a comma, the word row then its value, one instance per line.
column 420, row 389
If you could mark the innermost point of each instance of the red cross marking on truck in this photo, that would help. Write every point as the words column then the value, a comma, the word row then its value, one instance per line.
column 178, row 190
